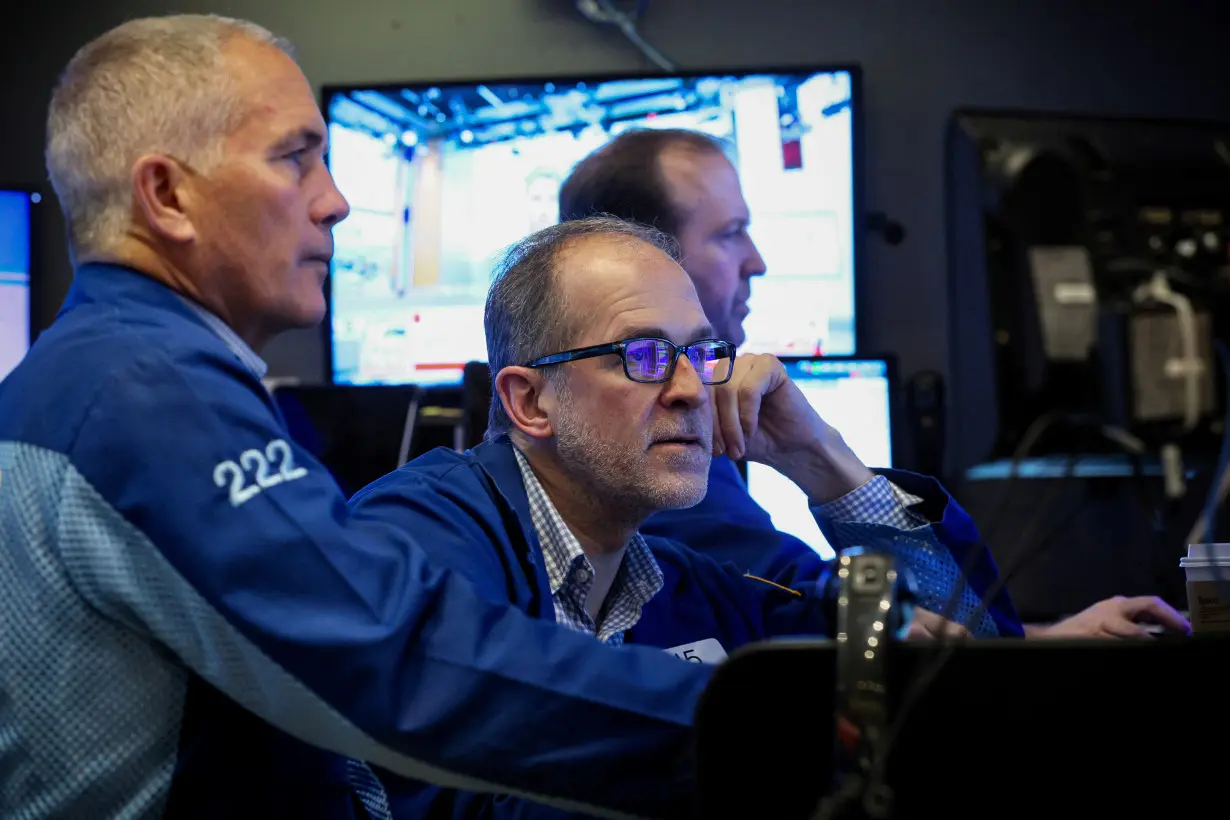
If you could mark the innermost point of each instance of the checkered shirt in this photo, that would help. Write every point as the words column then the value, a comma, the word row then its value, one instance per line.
column 571, row 575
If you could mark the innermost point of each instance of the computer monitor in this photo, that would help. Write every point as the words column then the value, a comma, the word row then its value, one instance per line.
column 855, row 396
column 16, row 321
column 442, row 177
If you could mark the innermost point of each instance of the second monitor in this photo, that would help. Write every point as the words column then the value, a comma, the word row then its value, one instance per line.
column 855, row 397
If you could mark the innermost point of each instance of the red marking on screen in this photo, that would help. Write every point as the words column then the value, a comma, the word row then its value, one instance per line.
column 792, row 155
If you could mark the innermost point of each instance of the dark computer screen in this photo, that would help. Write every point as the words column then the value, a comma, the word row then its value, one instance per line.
column 855, row 396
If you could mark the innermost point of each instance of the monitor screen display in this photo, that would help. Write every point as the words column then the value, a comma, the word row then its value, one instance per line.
column 14, row 277
column 855, row 397
column 442, row 178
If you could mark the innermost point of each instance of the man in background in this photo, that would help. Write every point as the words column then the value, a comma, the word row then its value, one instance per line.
column 683, row 183
column 194, row 622
column 611, row 395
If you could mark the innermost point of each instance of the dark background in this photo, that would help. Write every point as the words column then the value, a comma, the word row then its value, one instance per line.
column 921, row 60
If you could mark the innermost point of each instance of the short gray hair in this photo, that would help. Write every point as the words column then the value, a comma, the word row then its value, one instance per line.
column 526, row 314
column 156, row 85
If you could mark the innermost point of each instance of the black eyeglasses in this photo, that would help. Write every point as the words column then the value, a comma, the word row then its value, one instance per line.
column 652, row 361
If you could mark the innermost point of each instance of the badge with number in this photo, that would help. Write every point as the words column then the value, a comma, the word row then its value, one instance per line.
column 706, row 651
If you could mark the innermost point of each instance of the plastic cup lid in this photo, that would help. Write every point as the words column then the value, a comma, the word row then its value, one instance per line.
column 1207, row 551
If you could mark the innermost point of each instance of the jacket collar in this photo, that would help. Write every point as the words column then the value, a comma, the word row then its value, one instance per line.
column 499, row 462
column 496, row 462
column 112, row 285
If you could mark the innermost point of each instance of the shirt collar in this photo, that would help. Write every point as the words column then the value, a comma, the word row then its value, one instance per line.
column 238, row 346
column 639, row 573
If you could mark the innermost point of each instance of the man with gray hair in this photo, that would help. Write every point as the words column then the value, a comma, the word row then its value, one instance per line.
column 611, row 394
column 194, row 621
column 684, row 183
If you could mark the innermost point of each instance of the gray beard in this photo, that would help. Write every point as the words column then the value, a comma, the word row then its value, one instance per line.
column 616, row 479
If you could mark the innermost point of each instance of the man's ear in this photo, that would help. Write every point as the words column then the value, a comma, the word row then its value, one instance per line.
column 521, row 391
column 160, row 193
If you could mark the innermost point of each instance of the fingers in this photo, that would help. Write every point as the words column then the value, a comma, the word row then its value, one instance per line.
column 737, row 405
column 1150, row 608
column 932, row 625
column 1120, row 627
column 750, row 396
column 727, row 429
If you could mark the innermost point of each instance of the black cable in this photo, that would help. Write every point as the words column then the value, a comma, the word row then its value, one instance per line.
column 1029, row 440
column 1209, row 513
column 1160, row 518
column 945, row 649
column 1028, row 552
column 626, row 23
column 944, row 645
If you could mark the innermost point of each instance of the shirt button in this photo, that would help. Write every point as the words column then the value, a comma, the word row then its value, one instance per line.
column 583, row 576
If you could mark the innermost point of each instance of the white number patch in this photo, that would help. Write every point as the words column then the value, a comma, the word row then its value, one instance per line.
column 268, row 469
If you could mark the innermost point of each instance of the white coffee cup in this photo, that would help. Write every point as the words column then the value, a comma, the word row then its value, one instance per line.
column 1208, row 586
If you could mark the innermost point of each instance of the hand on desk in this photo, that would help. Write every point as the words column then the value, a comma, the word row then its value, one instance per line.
column 928, row 626
column 1116, row 617
column 761, row 415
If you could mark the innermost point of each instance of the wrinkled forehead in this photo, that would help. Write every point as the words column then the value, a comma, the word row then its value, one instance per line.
column 274, row 94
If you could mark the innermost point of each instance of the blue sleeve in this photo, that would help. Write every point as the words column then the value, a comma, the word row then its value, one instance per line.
column 942, row 543
column 204, row 528
column 728, row 525
column 953, row 529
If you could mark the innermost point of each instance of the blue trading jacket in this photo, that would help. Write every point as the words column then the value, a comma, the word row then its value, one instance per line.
column 185, row 596
column 728, row 525
column 473, row 512
column 473, row 515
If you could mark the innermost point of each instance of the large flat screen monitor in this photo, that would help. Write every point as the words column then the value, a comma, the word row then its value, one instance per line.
column 441, row 178
column 855, row 396
column 16, row 322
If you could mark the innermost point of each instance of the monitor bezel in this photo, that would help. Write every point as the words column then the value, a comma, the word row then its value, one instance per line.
column 858, row 215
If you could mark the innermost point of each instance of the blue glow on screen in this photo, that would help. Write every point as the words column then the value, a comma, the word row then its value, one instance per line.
column 14, row 278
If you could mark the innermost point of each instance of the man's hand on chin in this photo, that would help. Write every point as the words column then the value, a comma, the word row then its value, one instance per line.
column 1116, row 617
column 761, row 415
